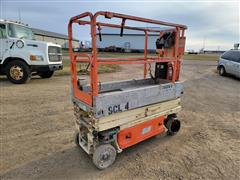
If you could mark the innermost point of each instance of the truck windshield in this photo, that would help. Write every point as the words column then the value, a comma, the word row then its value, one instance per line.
column 21, row 32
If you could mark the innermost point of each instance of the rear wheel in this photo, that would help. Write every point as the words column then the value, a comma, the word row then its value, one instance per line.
column 47, row 74
column 172, row 124
column 18, row 72
column 222, row 71
column 104, row 156
column 76, row 138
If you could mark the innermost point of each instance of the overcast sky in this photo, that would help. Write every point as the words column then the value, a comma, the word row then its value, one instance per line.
column 215, row 21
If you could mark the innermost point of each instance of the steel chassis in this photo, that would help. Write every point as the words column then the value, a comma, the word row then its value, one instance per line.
column 90, row 123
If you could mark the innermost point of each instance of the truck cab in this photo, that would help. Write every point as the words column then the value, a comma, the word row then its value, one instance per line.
column 21, row 56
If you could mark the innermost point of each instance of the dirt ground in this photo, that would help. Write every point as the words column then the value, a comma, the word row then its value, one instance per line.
column 37, row 125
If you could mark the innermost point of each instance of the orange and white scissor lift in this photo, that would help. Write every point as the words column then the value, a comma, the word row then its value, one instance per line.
column 112, row 116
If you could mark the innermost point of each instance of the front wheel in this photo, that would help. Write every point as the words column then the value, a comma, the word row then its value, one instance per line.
column 222, row 71
column 104, row 156
column 18, row 72
column 47, row 74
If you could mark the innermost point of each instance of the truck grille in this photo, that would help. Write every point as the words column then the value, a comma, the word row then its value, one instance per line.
column 54, row 54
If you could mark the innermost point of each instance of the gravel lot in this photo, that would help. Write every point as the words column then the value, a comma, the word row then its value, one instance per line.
column 37, row 125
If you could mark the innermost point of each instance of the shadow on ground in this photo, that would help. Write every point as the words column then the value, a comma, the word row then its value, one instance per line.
column 75, row 163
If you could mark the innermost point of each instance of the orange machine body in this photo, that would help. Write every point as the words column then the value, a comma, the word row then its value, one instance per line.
column 140, row 132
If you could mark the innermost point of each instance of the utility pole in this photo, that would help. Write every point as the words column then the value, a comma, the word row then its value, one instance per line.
column 19, row 15
column 204, row 38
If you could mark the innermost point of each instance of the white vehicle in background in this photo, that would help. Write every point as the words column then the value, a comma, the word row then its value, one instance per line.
column 21, row 56
column 229, row 63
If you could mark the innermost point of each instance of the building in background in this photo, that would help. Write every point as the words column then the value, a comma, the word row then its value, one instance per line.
column 131, row 39
column 53, row 37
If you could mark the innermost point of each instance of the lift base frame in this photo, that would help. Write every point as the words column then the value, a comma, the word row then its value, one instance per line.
column 87, row 125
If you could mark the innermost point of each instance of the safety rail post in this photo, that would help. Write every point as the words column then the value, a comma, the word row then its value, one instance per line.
column 94, row 66
column 145, row 53
column 176, row 55
column 85, row 97
column 73, row 64
column 180, row 56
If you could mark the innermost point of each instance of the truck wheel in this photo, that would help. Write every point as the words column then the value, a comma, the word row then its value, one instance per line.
column 47, row 74
column 222, row 71
column 18, row 72
column 104, row 156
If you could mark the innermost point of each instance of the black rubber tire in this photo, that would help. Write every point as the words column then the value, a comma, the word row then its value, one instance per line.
column 25, row 70
column 76, row 138
column 47, row 74
column 222, row 71
column 107, row 150
column 169, row 132
column 172, row 124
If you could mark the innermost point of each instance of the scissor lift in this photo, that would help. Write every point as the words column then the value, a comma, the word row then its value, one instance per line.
column 112, row 116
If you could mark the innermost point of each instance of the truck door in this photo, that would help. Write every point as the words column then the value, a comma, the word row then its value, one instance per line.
column 3, row 40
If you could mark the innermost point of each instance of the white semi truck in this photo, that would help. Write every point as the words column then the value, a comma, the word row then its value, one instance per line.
column 21, row 56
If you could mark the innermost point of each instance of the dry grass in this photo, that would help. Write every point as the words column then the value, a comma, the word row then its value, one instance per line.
column 82, row 68
column 203, row 57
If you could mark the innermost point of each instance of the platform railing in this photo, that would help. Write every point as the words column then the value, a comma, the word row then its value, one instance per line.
column 95, row 61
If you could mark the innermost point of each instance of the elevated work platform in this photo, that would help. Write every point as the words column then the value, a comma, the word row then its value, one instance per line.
column 119, row 96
